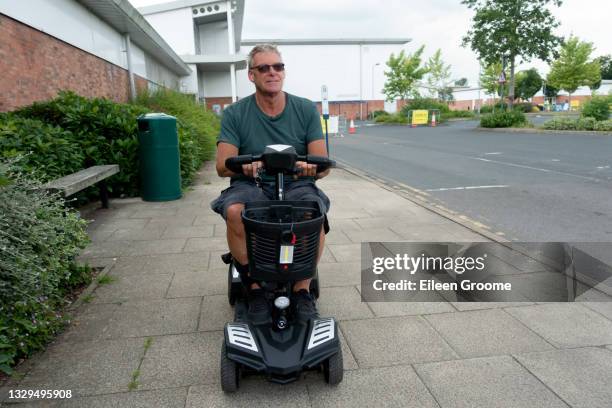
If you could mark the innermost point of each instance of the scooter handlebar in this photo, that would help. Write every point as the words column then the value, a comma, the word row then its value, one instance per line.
column 322, row 162
column 235, row 163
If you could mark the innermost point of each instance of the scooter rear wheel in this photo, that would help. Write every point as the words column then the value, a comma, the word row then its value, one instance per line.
column 229, row 372
column 333, row 369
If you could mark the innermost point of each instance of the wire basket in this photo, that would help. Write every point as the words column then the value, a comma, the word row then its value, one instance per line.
column 282, row 239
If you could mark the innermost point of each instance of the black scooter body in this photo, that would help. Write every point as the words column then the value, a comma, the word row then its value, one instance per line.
column 280, row 353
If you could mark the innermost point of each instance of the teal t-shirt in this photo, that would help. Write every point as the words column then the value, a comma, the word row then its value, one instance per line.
column 245, row 126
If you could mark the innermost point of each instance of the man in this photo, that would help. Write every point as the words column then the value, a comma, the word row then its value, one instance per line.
column 269, row 116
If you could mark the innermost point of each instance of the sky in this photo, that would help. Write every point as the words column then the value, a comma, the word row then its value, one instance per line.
column 433, row 23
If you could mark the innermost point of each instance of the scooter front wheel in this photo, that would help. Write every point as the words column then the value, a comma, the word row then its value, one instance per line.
column 333, row 369
column 229, row 372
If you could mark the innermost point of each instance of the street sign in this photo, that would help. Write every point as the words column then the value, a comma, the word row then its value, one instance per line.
column 502, row 78
column 324, row 102
column 420, row 117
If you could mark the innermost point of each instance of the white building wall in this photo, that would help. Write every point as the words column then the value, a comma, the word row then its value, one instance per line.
column 176, row 28
column 337, row 66
column 213, row 38
column 214, row 84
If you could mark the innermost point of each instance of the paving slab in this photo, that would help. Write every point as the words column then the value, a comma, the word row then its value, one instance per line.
column 154, row 213
column 166, row 398
column 565, row 324
column 163, row 264
column 387, row 309
column 215, row 312
column 486, row 333
column 109, row 222
column 339, row 274
column 132, row 287
column 141, row 234
column 343, row 302
column 206, row 244
column 200, row 231
column 91, row 322
column 155, row 247
column 345, row 252
column 182, row 360
column 394, row 341
column 86, row 368
column 156, row 317
column 580, row 376
column 385, row 386
column 173, row 221
column 253, row 392
column 463, row 306
column 336, row 236
column 485, row 383
column 200, row 283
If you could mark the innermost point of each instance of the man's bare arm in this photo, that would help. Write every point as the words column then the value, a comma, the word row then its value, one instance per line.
column 227, row 150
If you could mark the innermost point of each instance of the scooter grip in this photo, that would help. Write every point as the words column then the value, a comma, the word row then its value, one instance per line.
column 322, row 162
column 235, row 163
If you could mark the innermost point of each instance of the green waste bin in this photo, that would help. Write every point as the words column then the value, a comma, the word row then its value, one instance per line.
column 160, row 167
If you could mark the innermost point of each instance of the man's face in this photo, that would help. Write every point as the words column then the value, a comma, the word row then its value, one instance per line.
column 267, row 82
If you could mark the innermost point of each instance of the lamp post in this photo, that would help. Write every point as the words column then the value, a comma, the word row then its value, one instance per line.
column 373, row 66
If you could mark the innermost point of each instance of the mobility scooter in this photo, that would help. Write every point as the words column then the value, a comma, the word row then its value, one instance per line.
column 282, row 246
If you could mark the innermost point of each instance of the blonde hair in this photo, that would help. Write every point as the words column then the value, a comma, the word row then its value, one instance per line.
column 261, row 48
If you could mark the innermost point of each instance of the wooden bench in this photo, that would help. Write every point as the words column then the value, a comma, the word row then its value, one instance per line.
column 73, row 183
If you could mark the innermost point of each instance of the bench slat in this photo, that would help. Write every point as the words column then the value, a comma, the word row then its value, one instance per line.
column 80, row 180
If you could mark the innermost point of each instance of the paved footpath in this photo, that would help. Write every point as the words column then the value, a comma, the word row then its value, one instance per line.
column 152, row 337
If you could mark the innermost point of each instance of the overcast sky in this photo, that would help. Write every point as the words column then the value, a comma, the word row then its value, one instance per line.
column 434, row 23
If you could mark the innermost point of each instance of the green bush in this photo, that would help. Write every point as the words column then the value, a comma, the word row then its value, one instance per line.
column 378, row 113
column 106, row 133
column 525, row 107
column 48, row 151
column 197, row 127
column 39, row 239
column 397, row 118
column 424, row 103
column 560, row 124
column 458, row 114
column 501, row 119
column 587, row 123
column 604, row 125
column 598, row 107
column 490, row 108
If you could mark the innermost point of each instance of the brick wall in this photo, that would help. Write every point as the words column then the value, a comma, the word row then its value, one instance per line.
column 218, row 101
column 35, row 66
column 352, row 109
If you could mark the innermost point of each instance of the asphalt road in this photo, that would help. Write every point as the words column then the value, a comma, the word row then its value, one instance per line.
column 531, row 187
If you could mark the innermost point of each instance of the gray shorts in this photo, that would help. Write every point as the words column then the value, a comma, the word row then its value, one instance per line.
column 243, row 191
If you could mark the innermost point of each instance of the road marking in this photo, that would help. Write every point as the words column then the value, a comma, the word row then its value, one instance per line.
column 536, row 168
column 555, row 160
column 494, row 153
column 465, row 188
column 602, row 167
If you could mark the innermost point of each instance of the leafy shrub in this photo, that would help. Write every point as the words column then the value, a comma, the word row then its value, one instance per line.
column 587, row 123
column 503, row 119
column 106, row 133
column 604, row 125
column 378, row 113
column 424, row 103
column 524, row 107
column 397, row 118
column 490, row 108
column 560, row 124
column 197, row 127
column 48, row 151
column 598, row 107
column 39, row 239
column 458, row 114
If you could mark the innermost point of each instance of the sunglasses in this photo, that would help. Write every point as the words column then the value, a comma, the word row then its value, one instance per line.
column 263, row 68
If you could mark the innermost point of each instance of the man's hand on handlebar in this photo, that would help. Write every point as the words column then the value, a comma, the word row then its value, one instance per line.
column 250, row 170
column 306, row 169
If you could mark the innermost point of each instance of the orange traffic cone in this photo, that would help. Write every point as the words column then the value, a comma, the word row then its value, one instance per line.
column 352, row 127
column 433, row 119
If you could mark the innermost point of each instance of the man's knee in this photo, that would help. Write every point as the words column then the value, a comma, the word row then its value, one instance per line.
column 234, row 214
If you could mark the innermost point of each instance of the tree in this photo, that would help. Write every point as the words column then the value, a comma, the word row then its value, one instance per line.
column 550, row 91
column 489, row 79
column 446, row 94
column 528, row 83
column 573, row 69
column 405, row 71
column 512, row 29
column 605, row 62
column 461, row 82
column 439, row 75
